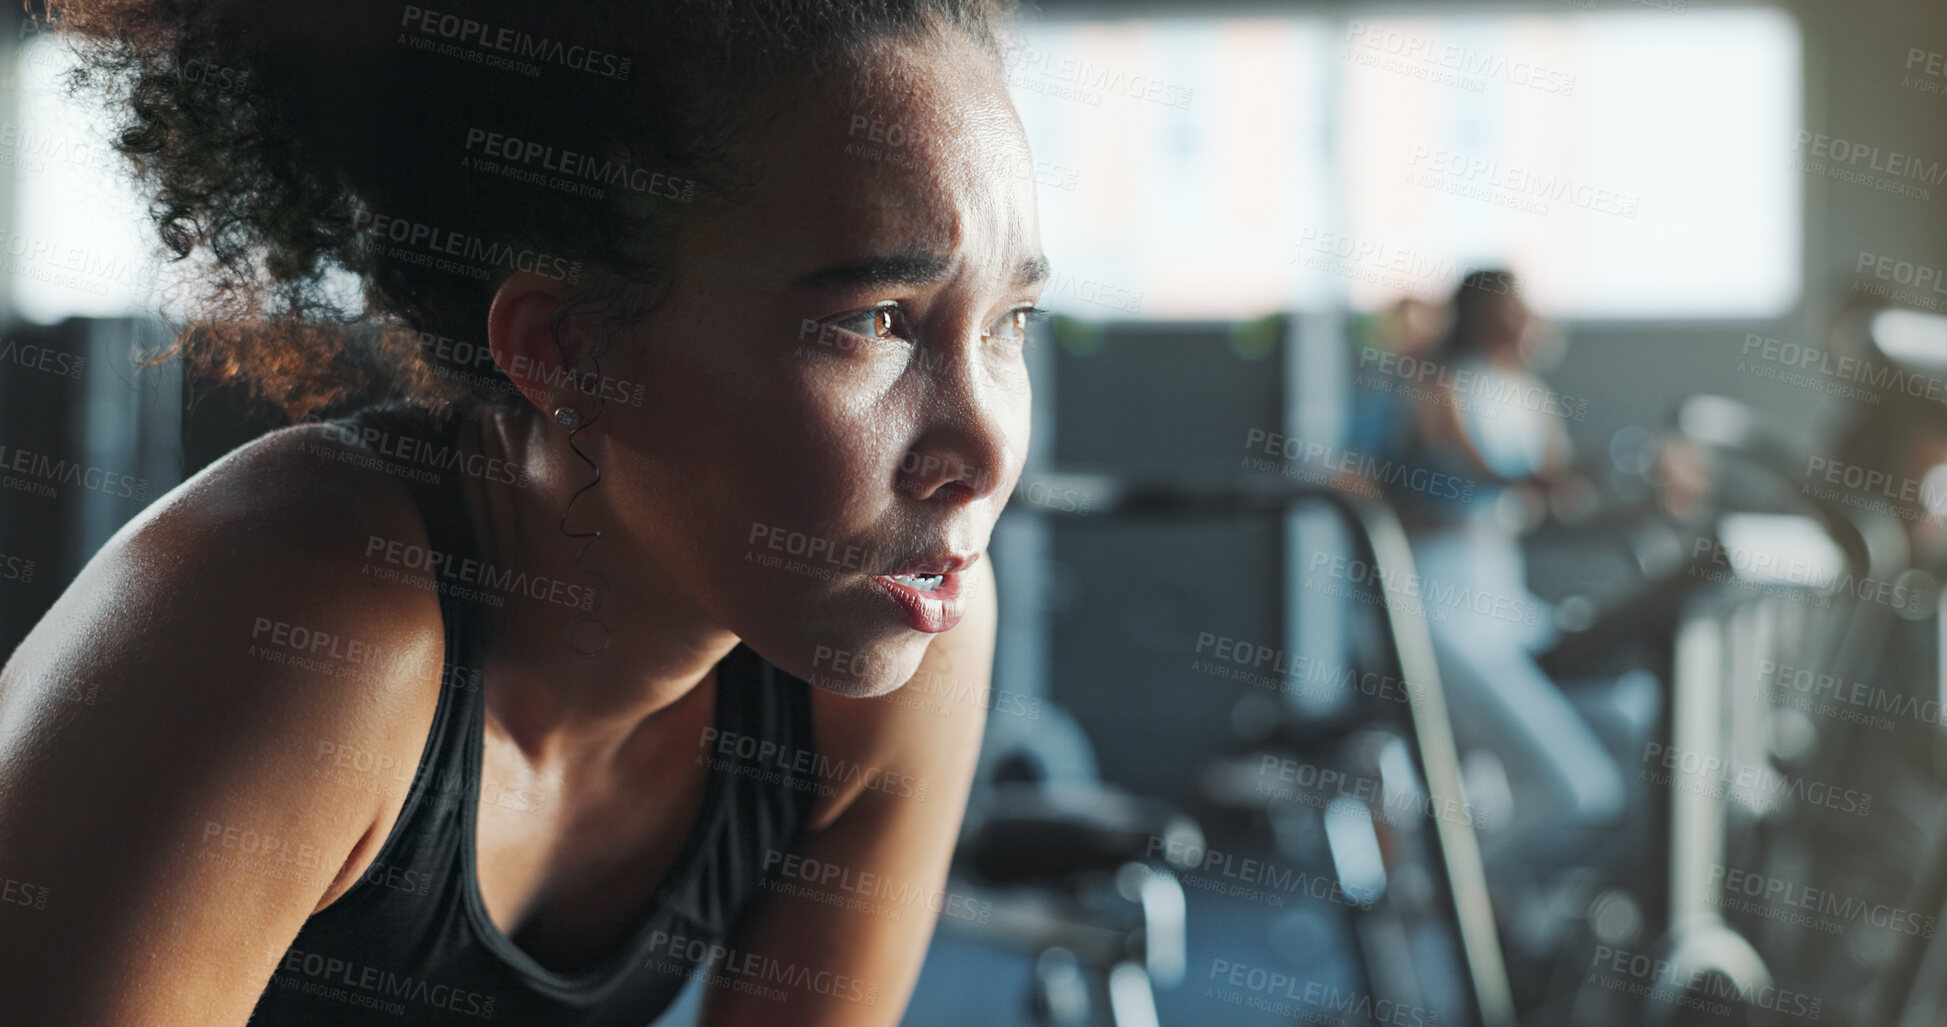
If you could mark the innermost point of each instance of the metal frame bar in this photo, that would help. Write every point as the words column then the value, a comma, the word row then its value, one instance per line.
column 1377, row 529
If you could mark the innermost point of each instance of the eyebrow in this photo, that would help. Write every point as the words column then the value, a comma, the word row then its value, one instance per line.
column 903, row 269
column 1033, row 271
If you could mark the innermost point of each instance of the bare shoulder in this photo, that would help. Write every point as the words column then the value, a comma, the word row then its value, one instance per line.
column 919, row 741
column 301, row 481
column 170, row 716
column 220, row 565
column 243, row 599
column 281, row 516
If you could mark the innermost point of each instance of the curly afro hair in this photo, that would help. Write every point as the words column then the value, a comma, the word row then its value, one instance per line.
column 349, row 182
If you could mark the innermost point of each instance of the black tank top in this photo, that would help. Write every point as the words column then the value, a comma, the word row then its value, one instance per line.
column 411, row 943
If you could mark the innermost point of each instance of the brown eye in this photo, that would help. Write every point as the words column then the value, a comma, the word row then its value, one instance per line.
column 1013, row 326
column 880, row 324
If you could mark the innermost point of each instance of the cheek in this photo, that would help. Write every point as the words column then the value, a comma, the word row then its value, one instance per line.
column 835, row 436
column 1020, row 424
column 798, row 461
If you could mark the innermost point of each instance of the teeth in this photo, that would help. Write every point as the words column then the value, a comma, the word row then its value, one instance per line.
column 922, row 582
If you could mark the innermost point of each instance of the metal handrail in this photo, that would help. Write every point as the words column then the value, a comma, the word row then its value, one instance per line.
column 1377, row 528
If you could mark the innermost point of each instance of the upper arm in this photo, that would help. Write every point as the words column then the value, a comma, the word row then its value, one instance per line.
column 159, row 732
column 860, row 890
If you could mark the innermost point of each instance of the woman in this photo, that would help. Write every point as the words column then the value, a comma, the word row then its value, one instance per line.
column 1485, row 423
column 563, row 677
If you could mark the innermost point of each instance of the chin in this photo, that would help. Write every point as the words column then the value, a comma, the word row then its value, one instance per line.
column 864, row 669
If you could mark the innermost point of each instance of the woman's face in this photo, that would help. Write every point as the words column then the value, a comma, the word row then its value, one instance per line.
column 835, row 387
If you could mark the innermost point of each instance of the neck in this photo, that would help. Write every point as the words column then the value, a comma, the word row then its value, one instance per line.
column 655, row 645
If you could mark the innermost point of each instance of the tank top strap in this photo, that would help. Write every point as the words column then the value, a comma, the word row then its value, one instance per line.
column 417, row 916
column 782, row 713
column 765, row 771
column 408, row 443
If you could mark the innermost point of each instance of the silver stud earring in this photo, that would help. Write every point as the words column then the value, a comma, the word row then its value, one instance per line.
column 567, row 417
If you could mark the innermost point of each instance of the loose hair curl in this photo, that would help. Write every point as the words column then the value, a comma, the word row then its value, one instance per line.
column 282, row 147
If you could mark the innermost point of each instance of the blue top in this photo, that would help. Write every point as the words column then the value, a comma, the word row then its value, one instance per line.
column 411, row 942
column 1510, row 435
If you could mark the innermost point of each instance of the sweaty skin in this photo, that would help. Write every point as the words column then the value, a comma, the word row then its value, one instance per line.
column 895, row 425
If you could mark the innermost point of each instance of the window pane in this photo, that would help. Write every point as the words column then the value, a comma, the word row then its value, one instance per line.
column 78, row 243
column 1630, row 164
column 1178, row 162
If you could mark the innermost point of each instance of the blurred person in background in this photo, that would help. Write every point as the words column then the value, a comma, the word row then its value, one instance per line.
column 1398, row 338
column 1477, row 421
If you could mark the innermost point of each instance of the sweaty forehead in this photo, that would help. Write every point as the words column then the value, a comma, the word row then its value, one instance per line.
column 916, row 148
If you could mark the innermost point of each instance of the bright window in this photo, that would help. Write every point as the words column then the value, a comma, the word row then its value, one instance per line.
column 78, row 243
column 1631, row 164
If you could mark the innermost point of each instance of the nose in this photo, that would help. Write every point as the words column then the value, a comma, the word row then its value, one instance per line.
column 965, row 451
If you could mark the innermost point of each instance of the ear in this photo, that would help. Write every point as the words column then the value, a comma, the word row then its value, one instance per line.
column 520, row 332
